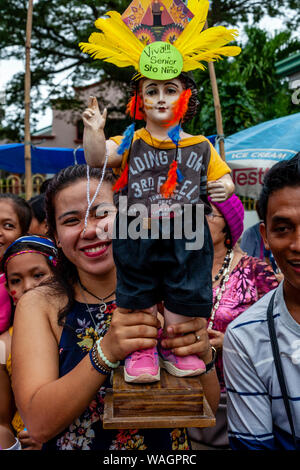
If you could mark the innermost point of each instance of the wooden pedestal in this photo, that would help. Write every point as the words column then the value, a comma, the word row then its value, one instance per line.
column 170, row 403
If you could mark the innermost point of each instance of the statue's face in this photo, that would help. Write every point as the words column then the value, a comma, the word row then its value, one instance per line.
column 159, row 98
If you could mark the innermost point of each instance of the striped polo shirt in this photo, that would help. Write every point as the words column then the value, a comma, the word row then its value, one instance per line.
column 256, row 414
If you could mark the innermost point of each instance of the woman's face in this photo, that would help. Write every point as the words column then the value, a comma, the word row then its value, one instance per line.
column 24, row 272
column 159, row 98
column 89, row 250
column 10, row 228
column 216, row 224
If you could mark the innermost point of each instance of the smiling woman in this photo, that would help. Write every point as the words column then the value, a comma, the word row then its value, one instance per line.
column 64, row 320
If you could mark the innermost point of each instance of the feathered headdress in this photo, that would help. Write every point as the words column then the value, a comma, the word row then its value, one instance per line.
column 118, row 44
column 160, row 39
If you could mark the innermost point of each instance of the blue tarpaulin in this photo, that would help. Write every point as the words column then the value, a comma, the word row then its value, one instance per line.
column 43, row 159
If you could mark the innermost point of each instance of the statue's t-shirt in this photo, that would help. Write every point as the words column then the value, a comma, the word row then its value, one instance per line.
column 149, row 163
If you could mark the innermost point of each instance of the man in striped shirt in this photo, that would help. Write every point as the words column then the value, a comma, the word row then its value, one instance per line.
column 257, row 417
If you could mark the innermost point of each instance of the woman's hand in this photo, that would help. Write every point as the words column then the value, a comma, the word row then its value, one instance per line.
column 216, row 339
column 130, row 331
column 27, row 442
column 190, row 337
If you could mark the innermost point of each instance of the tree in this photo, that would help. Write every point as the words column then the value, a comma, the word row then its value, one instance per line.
column 250, row 90
column 58, row 27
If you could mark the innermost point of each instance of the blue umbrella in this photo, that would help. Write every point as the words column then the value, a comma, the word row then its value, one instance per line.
column 250, row 153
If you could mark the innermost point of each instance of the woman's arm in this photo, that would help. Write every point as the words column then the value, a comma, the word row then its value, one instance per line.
column 7, row 405
column 185, row 343
column 49, row 403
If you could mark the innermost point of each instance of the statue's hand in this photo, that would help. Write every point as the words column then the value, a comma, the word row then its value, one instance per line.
column 92, row 117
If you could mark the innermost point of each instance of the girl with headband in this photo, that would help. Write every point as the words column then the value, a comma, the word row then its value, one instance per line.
column 15, row 218
column 27, row 262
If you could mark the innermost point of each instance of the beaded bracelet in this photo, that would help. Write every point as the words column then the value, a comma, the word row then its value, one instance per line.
column 112, row 365
column 95, row 361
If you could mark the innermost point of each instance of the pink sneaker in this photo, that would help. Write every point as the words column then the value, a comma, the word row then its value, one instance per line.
column 142, row 366
column 181, row 366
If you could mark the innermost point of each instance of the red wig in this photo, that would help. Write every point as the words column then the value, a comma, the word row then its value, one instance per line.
column 135, row 108
column 180, row 107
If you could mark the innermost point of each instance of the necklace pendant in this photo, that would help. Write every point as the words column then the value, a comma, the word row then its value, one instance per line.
column 102, row 307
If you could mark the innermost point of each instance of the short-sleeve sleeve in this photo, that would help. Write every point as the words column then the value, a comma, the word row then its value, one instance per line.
column 250, row 425
column 216, row 167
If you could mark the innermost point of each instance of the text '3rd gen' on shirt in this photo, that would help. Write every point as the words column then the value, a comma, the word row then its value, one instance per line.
column 149, row 163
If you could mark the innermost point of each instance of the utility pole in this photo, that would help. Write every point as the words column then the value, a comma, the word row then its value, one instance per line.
column 217, row 106
column 27, row 136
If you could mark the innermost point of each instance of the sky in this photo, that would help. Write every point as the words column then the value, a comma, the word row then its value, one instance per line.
column 9, row 67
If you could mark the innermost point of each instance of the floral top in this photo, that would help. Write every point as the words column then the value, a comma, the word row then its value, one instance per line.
column 250, row 280
column 86, row 432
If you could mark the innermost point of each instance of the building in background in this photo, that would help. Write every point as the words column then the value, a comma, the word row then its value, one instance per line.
column 67, row 127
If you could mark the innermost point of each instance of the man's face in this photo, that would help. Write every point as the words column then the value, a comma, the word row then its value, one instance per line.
column 281, row 233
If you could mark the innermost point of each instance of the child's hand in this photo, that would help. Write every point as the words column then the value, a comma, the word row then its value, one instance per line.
column 94, row 142
column 92, row 117
column 217, row 191
column 27, row 442
column 221, row 189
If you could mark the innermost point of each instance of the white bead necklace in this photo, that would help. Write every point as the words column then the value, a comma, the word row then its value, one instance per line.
column 219, row 292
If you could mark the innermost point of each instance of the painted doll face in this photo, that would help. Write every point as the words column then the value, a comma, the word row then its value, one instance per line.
column 24, row 272
column 159, row 98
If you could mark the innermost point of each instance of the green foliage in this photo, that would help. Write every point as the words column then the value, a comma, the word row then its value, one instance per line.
column 250, row 90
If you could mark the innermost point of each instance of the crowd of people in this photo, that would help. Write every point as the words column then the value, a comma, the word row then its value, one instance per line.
column 56, row 301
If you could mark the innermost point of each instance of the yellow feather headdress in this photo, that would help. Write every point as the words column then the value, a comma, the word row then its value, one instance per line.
column 117, row 44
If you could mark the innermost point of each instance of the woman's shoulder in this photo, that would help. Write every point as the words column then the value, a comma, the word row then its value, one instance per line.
column 259, row 270
column 42, row 300
column 39, row 306
column 256, row 263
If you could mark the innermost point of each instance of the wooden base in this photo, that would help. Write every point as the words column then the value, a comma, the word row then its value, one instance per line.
column 170, row 403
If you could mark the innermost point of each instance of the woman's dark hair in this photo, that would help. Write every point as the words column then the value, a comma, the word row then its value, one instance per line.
column 22, row 209
column 66, row 274
column 37, row 204
column 20, row 246
column 281, row 175
column 188, row 82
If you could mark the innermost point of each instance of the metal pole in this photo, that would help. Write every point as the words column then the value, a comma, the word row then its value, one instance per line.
column 27, row 136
